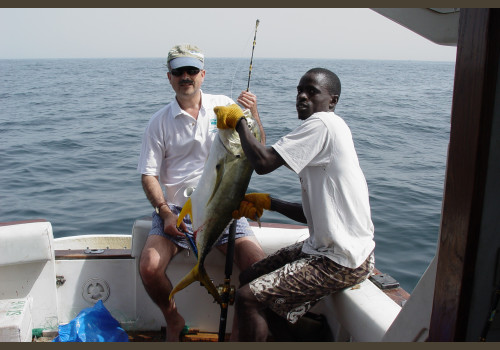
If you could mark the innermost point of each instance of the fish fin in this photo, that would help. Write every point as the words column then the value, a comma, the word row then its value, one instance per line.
column 209, row 285
column 186, row 281
column 219, row 169
column 186, row 209
column 197, row 274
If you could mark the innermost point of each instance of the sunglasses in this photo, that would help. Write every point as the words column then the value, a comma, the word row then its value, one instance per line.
column 179, row 71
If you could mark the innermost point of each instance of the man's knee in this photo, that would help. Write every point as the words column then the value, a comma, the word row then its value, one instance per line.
column 248, row 275
column 248, row 252
column 148, row 269
column 246, row 299
column 152, row 265
column 154, row 260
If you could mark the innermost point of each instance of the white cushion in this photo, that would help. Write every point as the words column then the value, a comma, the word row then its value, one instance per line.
column 25, row 243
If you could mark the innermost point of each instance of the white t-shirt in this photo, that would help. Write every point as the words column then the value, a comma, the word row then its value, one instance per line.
column 334, row 190
column 175, row 146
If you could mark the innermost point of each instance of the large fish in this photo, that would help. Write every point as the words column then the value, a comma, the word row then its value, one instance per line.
column 221, row 188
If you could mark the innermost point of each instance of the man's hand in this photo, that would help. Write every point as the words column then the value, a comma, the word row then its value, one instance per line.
column 248, row 100
column 228, row 116
column 170, row 225
column 253, row 206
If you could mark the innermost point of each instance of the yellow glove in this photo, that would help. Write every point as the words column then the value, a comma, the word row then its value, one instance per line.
column 253, row 206
column 228, row 117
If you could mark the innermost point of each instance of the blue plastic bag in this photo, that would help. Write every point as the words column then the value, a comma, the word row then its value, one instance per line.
column 93, row 324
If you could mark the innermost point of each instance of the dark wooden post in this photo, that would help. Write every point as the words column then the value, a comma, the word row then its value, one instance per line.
column 472, row 115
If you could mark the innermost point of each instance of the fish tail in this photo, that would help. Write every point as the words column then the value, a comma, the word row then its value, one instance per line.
column 197, row 274
column 209, row 285
column 186, row 281
column 186, row 209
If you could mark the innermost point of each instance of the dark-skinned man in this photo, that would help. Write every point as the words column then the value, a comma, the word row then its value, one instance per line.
column 335, row 206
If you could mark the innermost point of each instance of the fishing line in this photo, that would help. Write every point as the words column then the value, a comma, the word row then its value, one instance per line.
column 238, row 66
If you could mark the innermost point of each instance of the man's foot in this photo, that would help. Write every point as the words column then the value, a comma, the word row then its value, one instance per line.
column 174, row 329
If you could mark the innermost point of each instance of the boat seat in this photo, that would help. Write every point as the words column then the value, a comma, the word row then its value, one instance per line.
column 140, row 231
column 196, row 304
column 27, row 268
column 362, row 313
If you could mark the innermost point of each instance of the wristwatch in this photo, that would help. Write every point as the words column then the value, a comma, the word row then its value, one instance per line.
column 159, row 207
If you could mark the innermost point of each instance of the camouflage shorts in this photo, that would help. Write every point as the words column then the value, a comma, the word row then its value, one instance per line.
column 291, row 282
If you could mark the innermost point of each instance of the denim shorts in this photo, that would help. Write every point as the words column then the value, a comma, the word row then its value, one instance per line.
column 242, row 229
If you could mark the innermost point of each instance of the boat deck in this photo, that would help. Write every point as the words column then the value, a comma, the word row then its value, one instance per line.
column 155, row 336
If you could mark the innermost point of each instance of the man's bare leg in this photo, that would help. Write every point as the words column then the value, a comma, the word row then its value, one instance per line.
column 155, row 257
column 252, row 325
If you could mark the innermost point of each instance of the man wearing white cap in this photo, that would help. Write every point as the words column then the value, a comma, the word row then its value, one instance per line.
column 174, row 148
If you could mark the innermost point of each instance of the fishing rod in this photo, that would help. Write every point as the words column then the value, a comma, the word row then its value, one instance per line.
column 253, row 48
column 227, row 291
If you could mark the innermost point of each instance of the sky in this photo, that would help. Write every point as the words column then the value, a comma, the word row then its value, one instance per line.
column 336, row 33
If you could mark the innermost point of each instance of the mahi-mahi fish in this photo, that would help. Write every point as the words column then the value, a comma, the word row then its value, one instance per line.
column 221, row 188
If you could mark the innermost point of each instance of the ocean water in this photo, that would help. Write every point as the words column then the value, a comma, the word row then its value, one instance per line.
column 70, row 134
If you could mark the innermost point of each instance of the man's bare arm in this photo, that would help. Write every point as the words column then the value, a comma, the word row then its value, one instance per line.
column 154, row 193
column 263, row 159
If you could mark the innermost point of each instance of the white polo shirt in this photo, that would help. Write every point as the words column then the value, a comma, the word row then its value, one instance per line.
column 175, row 146
column 334, row 191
